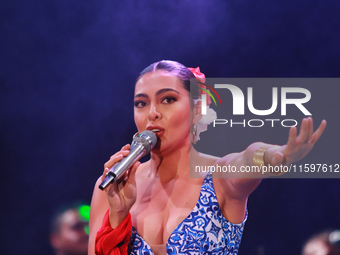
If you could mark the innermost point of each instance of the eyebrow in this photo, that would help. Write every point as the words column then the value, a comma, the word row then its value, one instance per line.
column 157, row 93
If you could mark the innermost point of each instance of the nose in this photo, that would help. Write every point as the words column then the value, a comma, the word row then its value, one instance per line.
column 154, row 114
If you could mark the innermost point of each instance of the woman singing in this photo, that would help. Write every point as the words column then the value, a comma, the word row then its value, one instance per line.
column 157, row 208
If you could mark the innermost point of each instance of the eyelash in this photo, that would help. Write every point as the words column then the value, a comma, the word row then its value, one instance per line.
column 140, row 103
column 171, row 98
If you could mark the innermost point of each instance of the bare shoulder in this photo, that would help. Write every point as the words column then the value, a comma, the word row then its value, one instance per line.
column 99, row 206
column 202, row 159
column 209, row 159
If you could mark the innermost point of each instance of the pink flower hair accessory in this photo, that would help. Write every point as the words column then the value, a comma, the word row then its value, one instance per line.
column 200, row 77
column 202, row 124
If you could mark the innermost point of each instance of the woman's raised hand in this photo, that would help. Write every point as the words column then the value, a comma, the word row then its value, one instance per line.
column 298, row 146
column 121, row 194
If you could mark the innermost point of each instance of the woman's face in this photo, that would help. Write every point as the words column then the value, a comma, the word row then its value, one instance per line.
column 161, row 104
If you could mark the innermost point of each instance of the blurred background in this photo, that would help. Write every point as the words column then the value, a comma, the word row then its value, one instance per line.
column 67, row 74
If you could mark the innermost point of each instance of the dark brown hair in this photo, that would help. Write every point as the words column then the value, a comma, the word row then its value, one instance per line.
column 178, row 70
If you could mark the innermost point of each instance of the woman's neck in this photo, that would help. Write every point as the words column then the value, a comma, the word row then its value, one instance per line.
column 173, row 165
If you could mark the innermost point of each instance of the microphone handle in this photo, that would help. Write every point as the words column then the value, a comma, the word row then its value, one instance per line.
column 137, row 151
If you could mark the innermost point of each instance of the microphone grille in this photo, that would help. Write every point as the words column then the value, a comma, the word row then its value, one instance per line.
column 147, row 138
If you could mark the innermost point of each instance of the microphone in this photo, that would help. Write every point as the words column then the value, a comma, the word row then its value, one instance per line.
column 141, row 145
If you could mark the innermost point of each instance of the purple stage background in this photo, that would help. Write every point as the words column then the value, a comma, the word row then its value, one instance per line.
column 67, row 73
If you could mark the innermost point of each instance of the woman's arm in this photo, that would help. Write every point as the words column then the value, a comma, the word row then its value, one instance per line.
column 118, row 198
column 239, row 185
column 99, row 206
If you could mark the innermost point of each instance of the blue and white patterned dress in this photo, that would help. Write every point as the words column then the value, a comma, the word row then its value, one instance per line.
column 204, row 231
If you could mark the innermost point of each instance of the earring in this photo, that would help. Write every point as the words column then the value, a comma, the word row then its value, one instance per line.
column 194, row 134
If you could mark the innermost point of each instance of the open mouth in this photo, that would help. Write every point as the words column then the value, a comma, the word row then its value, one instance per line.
column 158, row 131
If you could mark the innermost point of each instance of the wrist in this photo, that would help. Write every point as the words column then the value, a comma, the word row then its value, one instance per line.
column 269, row 154
column 259, row 158
column 263, row 157
column 116, row 218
